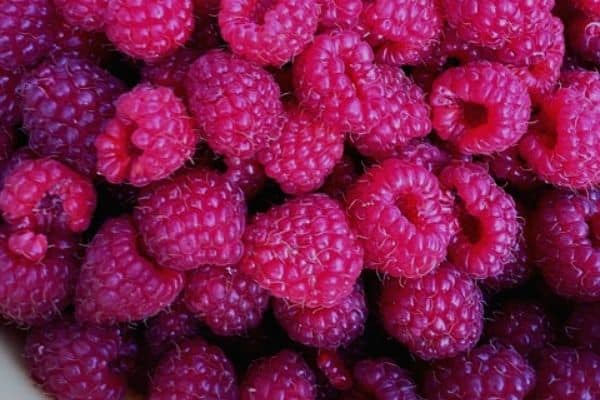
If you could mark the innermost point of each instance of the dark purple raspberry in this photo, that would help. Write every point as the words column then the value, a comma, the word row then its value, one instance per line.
column 583, row 326
column 381, row 379
column 332, row 365
column 583, row 35
column 171, row 71
column 510, row 167
column 10, row 106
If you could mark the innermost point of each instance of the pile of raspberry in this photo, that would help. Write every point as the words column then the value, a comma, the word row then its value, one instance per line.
column 302, row 199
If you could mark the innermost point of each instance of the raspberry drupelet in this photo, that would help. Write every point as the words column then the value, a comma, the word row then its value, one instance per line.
column 333, row 366
column 510, row 167
column 339, row 14
column 10, row 107
column 343, row 174
column 583, row 326
column 425, row 154
column 514, row 273
column 85, row 14
column 248, row 175
column 171, row 71
column 381, row 379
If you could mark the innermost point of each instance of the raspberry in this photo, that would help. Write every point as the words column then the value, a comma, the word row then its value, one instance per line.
column 75, row 42
column 481, row 107
column 564, row 235
column 268, row 32
column 235, row 102
column 381, row 379
column 396, row 210
column 10, row 107
column 66, row 103
column 588, row 6
column 407, row 118
column 487, row 372
column 303, row 251
column 195, row 369
column 425, row 154
column 583, row 35
column 340, row 14
column 510, row 167
column 7, row 146
column 343, row 174
column 225, row 299
column 151, row 29
column 304, row 154
column 583, row 82
column 333, row 367
column 324, row 328
column 514, row 273
column 436, row 316
column 488, row 221
column 84, row 14
column 568, row 374
column 118, row 283
column 248, row 175
column 337, row 79
column 171, row 71
column 282, row 376
column 15, row 159
column 583, row 326
column 75, row 361
column 149, row 138
column 26, row 32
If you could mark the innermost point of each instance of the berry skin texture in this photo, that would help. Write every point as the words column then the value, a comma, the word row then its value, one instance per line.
column 510, row 167
column 72, row 361
column 248, row 175
column 333, row 366
column 485, row 373
column 303, row 251
column 324, row 328
column 587, row 6
column 514, row 273
column 339, row 14
column 583, row 36
column 148, row 139
column 172, row 325
column 225, row 299
column 381, row 379
column 487, row 216
column 396, row 210
column 425, row 154
column 583, row 326
column 583, row 82
column 343, row 174
column 151, row 29
column 195, row 218
column 268, row 32
column 85, row 14
column 66, row 103
column 436, row 316
column 480, row 107
column 171, row 71
column 282, row 376
column 235, row 102
column 119, row 284
column 10, row 107
column 194, row 370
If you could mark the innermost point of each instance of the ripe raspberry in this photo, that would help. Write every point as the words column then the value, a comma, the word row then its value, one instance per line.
column 436, row 316
column 339, row 14
column 282, row 376
column 10, row 107
column 195, row 369
column 248, row 175
column 424, row 154
column 510, row 167
column 583, row 326
column 487, row 372
column 588, row 6
column 118, row 283
column 303, row 251
column 582, row 81
column 305, row 152
column 336, row 78
column 72, row 361
column 381, row 379
column 583, row 35
column 568, row 374
column 66, row 103
column 235, row 102
column 149, row 138
column 15, row 159
column 396, row 210
column 324, row 328
column 481, row 107
column 151, row 29
column 331, row 364
column 225, row 299
column 268, row 32
column 75, row 42
column 407, row 118
column 84, row 14
column 343, row 174
column 171, row 71
column 514, row 273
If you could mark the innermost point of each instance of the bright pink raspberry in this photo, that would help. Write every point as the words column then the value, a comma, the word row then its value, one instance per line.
column 303, row 251
column 149, row 138
column 381, row 379
column 588, row 6
column 324, row 328
column 118, row 283
column 582, row 81
column 85, row 14
column 343, row 174
column 487, row 372
column 514, row 273
column 332, row 365
column 436, row 316
column 150, row 29
column 337, row 79
column 10, row 107
column 248, row 175
column 195, row 218
column 481, row 107
column 510, row 167
column 340, row 14
column 304, row 153
column 268, row 32
column 583, row 326
column 225, row 299
column 171, row 71
column 235, row 102
column 424, row 154
column 282, row 376
column 396, row 211
column 194, row 370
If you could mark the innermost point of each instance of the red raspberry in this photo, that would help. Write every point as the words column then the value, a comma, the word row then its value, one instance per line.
column 425, row 154
column 564, row 234
column 568, row 374
column 331, row 364
column 248, row 175
column 481, row 107
column 149, row 138
column 340, row 14
column 343, row 174
column 150, row 29
column 583, row 326
column 396, row 210
column 282, row 376
column 304, row 251
column 66, row 103
column 583, row 35
column 407, row 118
column 194, row 369
column 510, row 167
column 381, row 379
column 10, row 107
column 436, row 316
column 171, row 71
column 268, row 32
column 84, row 14
column 235, row 102
column 15, row 159
column 588, row 6
column 487, row 372
column 336, row 78
column 118, row 283
column 75, row 361
column 324, row 328
column 305, row 152
column 514, row 273
column 584, row 82
column 225, row 299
